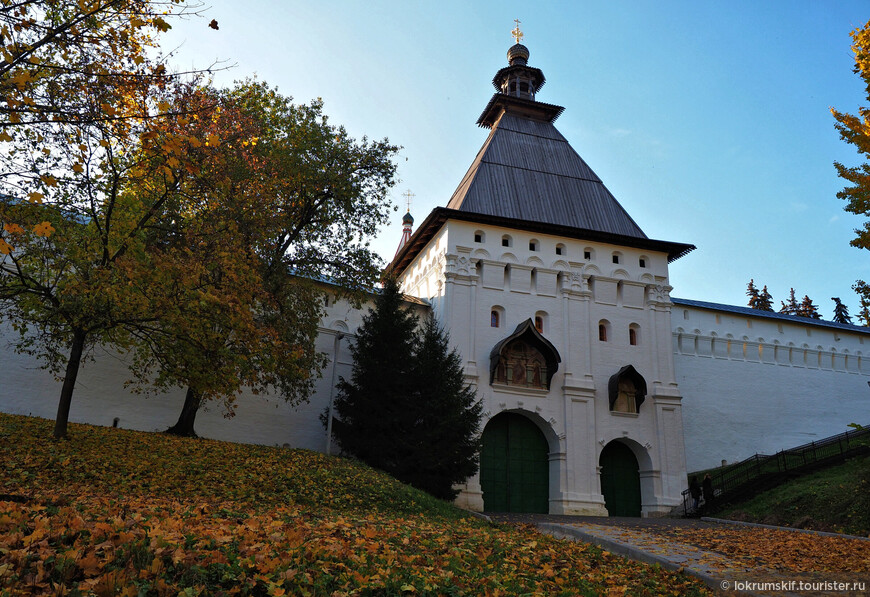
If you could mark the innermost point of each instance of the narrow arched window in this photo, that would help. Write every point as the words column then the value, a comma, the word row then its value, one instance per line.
column 539, row 323
column 602, row 332
column 632, row 334
column 493, row 319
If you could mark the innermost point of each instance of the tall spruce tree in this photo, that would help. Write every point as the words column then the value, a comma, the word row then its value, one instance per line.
column 407, row 409
column 841, row 312
column 759, row 299
column 765, row 300
column 752, row 293
column 375, row 408
column 447, row 429
column 808, row 309
column 790, row 307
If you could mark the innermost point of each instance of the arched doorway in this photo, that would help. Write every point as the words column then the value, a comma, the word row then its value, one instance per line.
column 620, row 480
column 514, row 466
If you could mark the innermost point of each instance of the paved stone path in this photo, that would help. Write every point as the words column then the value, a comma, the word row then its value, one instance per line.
column 642, row 539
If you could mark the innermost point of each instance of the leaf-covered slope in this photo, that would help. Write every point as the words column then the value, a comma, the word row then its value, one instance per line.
column 118, row 462
column 114, row 512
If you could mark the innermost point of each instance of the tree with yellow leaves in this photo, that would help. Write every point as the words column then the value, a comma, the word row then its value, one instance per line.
column 855, row 129
column 278, row 206
column 82, row 91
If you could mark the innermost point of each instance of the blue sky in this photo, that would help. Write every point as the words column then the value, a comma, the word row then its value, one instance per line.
column 709, row 121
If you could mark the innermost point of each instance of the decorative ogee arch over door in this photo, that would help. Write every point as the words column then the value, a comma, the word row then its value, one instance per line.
column 525, row 358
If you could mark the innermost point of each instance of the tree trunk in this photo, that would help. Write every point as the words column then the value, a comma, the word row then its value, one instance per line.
column 69, row 383
column 184, row 426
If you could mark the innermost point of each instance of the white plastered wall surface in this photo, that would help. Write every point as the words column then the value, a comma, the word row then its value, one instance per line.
column 752, row 384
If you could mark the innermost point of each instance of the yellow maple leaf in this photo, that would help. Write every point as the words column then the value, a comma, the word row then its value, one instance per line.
column 78, row 168
column 5, row 248
column 13, row 228
column 35, row 197
column 44, row 229
column 4, row 136
column 213, row 140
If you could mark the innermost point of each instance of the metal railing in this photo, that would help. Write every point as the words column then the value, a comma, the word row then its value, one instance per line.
column 762, row 469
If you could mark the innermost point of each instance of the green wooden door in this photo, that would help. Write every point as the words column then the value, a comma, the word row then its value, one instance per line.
column 620, row 481
column 514, row 466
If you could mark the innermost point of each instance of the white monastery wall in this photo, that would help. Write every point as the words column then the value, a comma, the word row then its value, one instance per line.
column 100, row 395
column 755, row 384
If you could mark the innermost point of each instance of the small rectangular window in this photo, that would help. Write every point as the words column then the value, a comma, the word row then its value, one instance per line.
column 533, row 247
column 478, row 238
column 587, row 255
column 505, row 242
column 616, row 259
column 643, row 262
column 558, row 250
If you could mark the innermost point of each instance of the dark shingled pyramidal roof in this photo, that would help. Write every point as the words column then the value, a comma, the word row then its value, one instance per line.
column 527, row 170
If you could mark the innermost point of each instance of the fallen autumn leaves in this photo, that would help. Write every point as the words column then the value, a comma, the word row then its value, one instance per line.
column 114, row 512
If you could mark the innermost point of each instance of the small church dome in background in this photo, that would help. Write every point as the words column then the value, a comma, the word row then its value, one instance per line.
column 518, row 55
column 407, row 219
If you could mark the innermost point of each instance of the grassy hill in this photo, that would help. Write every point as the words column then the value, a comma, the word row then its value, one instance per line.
column 117, row 512
column 833, row 499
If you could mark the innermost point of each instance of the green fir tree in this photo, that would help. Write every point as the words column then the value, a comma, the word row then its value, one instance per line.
column 373, row 410
column 446, row 433
column 790, row 307
column 808, row 309
column 407, row 409
column 841, row 312
column 752, row 293
column 765, row 300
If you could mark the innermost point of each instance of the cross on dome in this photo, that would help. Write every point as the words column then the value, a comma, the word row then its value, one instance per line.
column 408, row 195
column 518, row 35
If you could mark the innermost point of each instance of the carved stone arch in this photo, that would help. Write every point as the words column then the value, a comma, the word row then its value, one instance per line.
column 535, row 261
column 545, row 426
column 560, row 264
column 680, row 330
column 696, row 331
column 591, row 270
column 339, row 326
column 480, row 254
column 729, row 336
column 527, row 334
column 648, row 278
column 620, row 273
column 508, row 258
column 714, row 335
column 636, row 378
